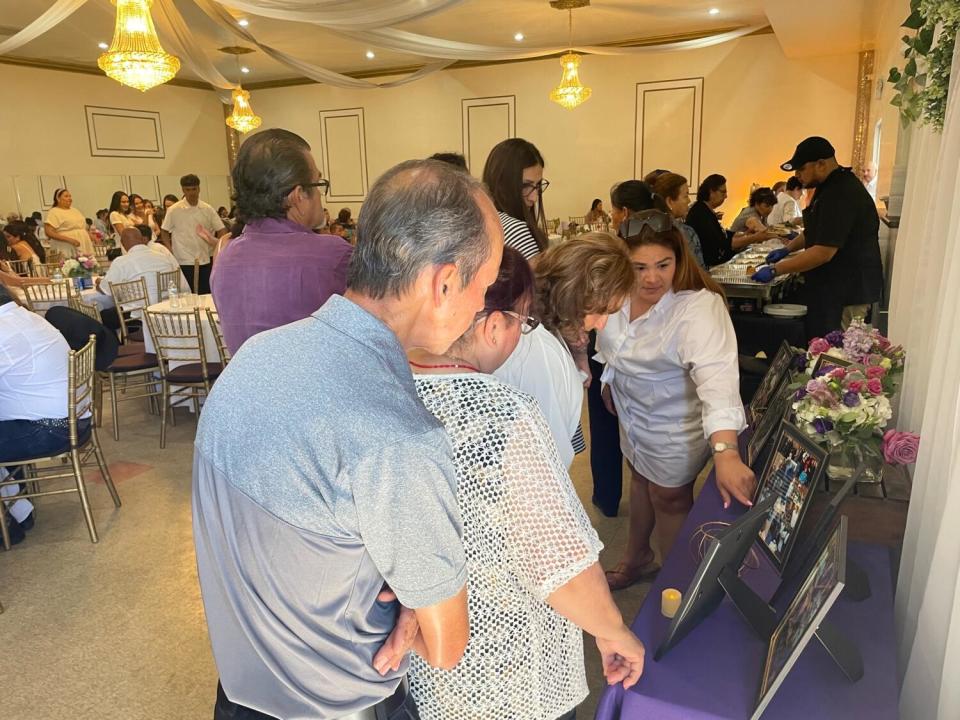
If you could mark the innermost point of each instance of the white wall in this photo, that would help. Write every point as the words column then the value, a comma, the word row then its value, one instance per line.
column 757, row 106
column 44, row 139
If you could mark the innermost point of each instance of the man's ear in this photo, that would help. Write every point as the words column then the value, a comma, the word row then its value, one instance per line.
column 446, row 278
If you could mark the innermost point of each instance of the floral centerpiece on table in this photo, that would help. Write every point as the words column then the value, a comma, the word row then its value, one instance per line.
column 80, row 268
column 847, row 408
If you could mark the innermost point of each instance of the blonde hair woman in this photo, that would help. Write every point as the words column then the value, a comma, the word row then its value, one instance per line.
column 672, row 377
column 578, row 284
column 66, row 227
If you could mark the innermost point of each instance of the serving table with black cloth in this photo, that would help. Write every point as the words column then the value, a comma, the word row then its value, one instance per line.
column 756, row 332
column 714, row 672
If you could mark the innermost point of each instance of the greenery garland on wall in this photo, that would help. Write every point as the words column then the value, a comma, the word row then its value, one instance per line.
column 922, row 83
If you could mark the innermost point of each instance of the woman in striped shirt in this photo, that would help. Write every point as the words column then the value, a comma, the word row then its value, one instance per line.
column 514, row 175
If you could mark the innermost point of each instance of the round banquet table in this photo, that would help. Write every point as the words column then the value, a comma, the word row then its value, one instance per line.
column 187, row 302
column 92, row 296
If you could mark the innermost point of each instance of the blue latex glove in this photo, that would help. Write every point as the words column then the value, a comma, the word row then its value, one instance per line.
column 792, row 234
column 777, row 255
column 764, row 274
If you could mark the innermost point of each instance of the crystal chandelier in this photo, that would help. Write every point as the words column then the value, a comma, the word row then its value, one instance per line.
column 135, row 57
column 242, row 119
column 570, row 92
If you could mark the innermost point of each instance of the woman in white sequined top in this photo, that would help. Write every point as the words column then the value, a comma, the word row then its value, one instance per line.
column 533, row 577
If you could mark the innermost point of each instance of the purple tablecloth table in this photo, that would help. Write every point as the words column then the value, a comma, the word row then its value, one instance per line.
column 714, row 672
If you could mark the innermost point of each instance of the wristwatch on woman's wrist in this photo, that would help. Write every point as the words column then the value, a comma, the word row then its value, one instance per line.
column 721, row 446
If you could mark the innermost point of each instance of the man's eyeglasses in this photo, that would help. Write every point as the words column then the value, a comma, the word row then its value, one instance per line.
column 657, row 220
column 322, row 183
column 527, row 323
column 540, row 187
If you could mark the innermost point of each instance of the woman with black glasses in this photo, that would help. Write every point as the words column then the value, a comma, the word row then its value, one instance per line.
column 672, row 378
column 514, row 175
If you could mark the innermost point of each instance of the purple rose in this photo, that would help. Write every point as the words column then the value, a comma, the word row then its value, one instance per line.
column 822, row 426
column 851, row 399
column 900, row 448
column 835, row 338
column 800, row 394
column 799, row 362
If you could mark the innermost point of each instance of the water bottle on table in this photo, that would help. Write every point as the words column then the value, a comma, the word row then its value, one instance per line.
column 173, row 294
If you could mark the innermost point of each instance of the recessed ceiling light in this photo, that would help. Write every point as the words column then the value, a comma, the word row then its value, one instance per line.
column 714, row 11
column 518, row 37
column 243, row 22
column 244, row 70
column 370, row 55
column 102, row 46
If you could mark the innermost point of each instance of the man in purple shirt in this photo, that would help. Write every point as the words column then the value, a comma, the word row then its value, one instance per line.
column 278, row 270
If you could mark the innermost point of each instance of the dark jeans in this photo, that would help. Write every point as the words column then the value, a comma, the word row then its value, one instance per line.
column 204, row 277
column 227, row 710
column 20, row 439
column 606, row 460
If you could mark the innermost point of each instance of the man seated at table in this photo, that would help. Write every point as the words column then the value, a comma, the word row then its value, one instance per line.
column 33, row 396
column 278, row 270
column 138, row 262
column 157, row 246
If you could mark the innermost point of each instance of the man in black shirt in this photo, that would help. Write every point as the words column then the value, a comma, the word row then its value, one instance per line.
column 841, row 261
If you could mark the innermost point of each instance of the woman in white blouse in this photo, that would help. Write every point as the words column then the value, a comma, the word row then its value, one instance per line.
column 672, row 378
column 120, row 217
column 514, row 175
column 534, row 581
column 66, row 227
column 579, row 284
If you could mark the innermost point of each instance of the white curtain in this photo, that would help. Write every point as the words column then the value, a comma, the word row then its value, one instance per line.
column 925, row 318
column 58, row 12
column 343, row 14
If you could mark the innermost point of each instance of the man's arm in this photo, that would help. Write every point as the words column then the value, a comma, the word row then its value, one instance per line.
column 444, row 631
column 165, row 238
column 809, row 259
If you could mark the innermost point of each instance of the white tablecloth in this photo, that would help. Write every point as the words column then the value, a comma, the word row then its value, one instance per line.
column 93, row 296
column 187, row 302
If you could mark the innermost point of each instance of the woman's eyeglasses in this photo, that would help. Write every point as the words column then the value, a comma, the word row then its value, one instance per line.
column 527, row 323
column 540, row 187
column 656, row 220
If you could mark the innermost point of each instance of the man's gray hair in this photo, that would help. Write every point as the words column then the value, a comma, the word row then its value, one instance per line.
column 419, row 213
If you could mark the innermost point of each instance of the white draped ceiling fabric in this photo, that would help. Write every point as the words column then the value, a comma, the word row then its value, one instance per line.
column 925, row 318
column 368, row 21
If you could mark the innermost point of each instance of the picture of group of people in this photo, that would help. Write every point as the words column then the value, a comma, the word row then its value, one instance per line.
column 790, row 475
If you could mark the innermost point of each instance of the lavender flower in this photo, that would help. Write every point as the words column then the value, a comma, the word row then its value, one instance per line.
column 822, row 426
column 851, row 399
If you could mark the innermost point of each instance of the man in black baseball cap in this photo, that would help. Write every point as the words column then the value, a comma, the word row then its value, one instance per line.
column 841, row 259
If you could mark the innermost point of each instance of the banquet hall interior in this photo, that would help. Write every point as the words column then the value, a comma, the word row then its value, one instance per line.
column 95, row 119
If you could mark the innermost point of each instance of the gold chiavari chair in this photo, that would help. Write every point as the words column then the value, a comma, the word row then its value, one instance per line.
column 23, row 268
column 196, row 275
column 91, row 311
column 41, row 297
column 46, row 270
column 82, row 450
column 577, row 220
column 214, row 318
column 131, row 299
column 178, row 338
column 165, row 278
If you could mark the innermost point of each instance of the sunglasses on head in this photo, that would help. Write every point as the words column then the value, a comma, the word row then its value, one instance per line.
column 657, row 220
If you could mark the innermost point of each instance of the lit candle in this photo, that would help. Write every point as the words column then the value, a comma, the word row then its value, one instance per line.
column 670, row 602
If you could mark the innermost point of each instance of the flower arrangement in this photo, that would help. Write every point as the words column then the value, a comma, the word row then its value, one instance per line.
column 845, row 404
column 900, row 448
column 862, row 345
column 82, row 266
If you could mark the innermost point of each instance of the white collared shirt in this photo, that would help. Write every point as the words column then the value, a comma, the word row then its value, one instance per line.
column 542, row 366
column 33, row 366
column 141, row 261
column 181, row 222
column 675, row 379
column 786, row 209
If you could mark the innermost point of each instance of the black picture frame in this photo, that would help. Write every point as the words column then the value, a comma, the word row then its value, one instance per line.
column 804, row 616
column 825, row 363
column 792, row 474
column 771, row 381
column 770, row 420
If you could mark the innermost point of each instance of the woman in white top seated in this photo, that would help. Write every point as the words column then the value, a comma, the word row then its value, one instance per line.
column 533, row 577
column 514, row 175
column 672, row 378
column 66, row 227
column 579, row 283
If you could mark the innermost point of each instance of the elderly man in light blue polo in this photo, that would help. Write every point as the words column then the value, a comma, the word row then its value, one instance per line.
column 319, row 477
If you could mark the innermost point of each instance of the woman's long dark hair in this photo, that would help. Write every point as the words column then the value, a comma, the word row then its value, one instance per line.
column 636, row 195
column 115, row 202
column 23, row 231
column 503, row 176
